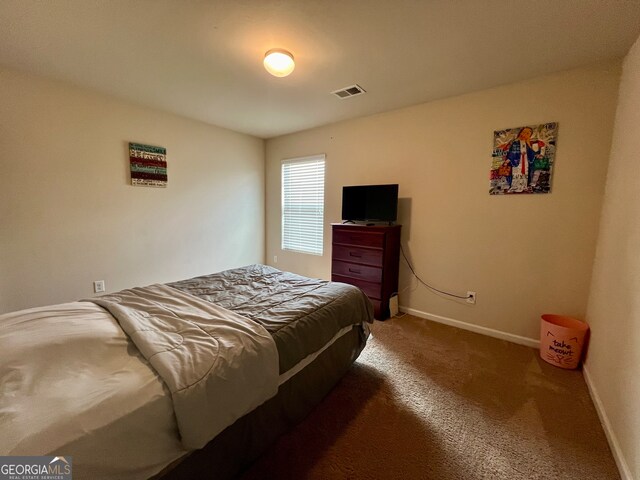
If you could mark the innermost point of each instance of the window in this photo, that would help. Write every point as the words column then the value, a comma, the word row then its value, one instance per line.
column 303, row 204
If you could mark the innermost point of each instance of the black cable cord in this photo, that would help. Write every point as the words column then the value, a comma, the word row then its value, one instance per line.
column 425, row 283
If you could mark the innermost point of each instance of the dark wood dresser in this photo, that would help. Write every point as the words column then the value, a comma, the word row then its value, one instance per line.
column 367, row 257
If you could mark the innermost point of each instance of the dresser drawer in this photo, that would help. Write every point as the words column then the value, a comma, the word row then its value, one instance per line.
column 351, row 270
column 367, row 256
column 364, row 239
column 370, row 289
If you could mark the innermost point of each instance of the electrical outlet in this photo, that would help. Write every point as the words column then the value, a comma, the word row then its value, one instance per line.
column 98, row 286
column 471, row 297
column 275, row 259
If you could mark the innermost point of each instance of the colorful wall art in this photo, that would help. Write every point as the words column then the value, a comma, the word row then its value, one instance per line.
column 148, row 165
column 523, row 159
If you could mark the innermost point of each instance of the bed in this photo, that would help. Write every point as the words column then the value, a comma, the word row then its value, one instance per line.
column 74, row 383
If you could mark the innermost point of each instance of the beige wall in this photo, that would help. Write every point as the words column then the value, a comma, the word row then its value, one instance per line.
column 523, row 255
column 68, row 215
column 613, row 363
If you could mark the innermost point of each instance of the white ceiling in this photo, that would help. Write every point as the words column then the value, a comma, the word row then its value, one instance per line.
column 203, row 59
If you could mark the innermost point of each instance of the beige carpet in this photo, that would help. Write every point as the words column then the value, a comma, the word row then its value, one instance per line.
column 427, row 401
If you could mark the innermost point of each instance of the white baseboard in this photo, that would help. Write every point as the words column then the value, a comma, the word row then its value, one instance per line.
column 625, row 472
column 510, row 337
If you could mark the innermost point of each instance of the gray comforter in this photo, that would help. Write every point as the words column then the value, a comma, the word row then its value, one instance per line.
column 220, row 341
column 218, row 365
column 302, row 314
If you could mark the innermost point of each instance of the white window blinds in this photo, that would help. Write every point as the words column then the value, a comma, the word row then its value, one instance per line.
column 303, row 204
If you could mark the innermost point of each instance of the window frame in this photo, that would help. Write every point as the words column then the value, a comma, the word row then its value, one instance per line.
column 319, row 251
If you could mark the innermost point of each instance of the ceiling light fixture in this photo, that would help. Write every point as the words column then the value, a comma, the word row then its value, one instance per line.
column 279, row 62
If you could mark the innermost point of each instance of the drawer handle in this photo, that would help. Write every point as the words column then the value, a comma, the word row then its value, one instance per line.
column 353, row 254
column 354, row 271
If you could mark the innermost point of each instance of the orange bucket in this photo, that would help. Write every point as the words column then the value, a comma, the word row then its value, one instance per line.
column 561, row 340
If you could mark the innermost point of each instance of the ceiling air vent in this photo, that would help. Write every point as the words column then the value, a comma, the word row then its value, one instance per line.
column 351, row 91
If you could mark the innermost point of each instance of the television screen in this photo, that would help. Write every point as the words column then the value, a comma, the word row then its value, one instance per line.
column 370, row 203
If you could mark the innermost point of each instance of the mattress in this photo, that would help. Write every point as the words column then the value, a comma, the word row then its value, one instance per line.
column 72, row 383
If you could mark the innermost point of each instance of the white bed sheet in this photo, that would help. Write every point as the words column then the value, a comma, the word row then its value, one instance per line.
column 71, row 383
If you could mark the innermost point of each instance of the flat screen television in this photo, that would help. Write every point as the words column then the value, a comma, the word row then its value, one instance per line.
column 371, row 203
